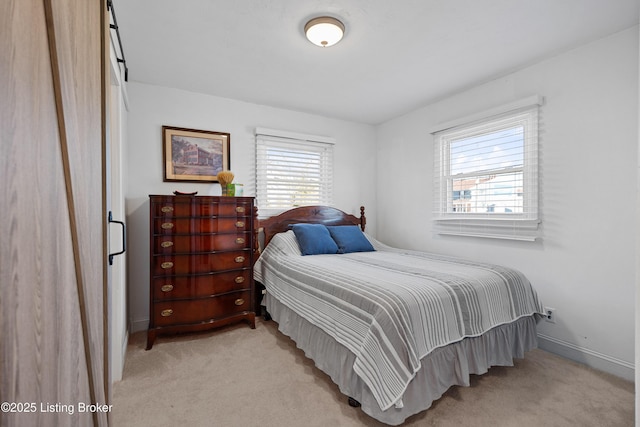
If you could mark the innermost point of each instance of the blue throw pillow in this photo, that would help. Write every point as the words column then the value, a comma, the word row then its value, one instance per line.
column 314, row 239
column 350, row 239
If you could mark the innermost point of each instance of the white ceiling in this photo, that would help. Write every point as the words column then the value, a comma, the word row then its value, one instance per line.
column 395, row 56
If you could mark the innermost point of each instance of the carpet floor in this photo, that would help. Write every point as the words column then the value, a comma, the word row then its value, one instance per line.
column 237, row 376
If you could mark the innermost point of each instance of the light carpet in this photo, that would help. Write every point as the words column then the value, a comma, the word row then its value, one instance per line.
column 237, row 376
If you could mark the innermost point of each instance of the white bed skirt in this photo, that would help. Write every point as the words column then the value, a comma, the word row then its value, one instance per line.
column 442, row 368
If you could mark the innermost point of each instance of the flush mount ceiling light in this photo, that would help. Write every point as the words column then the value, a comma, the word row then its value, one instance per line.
column 324, row 31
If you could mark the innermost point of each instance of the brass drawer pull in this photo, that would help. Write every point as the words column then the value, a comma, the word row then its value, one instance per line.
column 167, row 225
column 240, row 224
column 166, row 265
column 239, row 259
column 167, row 244
column 239, row 301
column 240, row 209
column 166, row 209
column 166, row 313
column 239, row 279
column 240, row 241
column 166, row 288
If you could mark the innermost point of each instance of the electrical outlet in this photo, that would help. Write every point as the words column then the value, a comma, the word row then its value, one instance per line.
column 551, row 314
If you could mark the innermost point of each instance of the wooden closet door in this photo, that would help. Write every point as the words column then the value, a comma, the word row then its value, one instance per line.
column 51, row 175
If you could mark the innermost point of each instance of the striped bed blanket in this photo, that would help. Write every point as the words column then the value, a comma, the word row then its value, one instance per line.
column 392, row 307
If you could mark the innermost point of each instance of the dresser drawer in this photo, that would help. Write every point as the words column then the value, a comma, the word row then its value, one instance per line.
column 186, row 208
column 177, row 287
column 200, row 263
column 170, row 244
column 200, row 225
column 168, row 313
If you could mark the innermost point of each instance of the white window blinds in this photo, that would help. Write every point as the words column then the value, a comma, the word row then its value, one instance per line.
column 486, row 177
column 292, row 171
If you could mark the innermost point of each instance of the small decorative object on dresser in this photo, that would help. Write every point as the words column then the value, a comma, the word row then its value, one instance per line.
column 202, row 251
column 225, row 178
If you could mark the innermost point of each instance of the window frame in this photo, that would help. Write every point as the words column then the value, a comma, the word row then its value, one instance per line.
column 297, row 143
column 512, row 225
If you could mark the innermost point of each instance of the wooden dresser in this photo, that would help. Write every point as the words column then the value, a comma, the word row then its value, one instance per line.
column 202, row 251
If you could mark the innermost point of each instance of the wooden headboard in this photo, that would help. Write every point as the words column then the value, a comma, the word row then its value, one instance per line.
column 309, row 214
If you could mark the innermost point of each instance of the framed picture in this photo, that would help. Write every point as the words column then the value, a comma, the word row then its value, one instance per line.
column 194, row 155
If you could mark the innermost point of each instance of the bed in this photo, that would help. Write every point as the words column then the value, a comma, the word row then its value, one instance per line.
column 393, row 328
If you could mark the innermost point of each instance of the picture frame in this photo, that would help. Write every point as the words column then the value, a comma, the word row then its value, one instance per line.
column 192, row 155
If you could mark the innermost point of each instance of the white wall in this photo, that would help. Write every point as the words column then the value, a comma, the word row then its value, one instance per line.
column 151, row 107
column 584, row 265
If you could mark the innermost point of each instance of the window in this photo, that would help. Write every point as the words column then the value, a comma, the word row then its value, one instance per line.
column 486, row 175
column 292, row 170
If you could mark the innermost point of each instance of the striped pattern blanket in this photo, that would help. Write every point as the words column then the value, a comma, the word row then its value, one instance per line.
column 392, row 307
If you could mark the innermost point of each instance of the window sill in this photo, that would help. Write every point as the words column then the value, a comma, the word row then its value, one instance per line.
column 496, row 228
column 490, row 236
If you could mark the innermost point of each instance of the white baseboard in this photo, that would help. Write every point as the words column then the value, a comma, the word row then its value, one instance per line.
column 139, row 325
column 593, row 359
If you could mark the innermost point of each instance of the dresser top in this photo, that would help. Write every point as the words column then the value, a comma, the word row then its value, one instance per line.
column 211, row 198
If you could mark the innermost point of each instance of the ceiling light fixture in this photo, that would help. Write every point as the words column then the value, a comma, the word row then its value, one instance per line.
column 324, row 31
